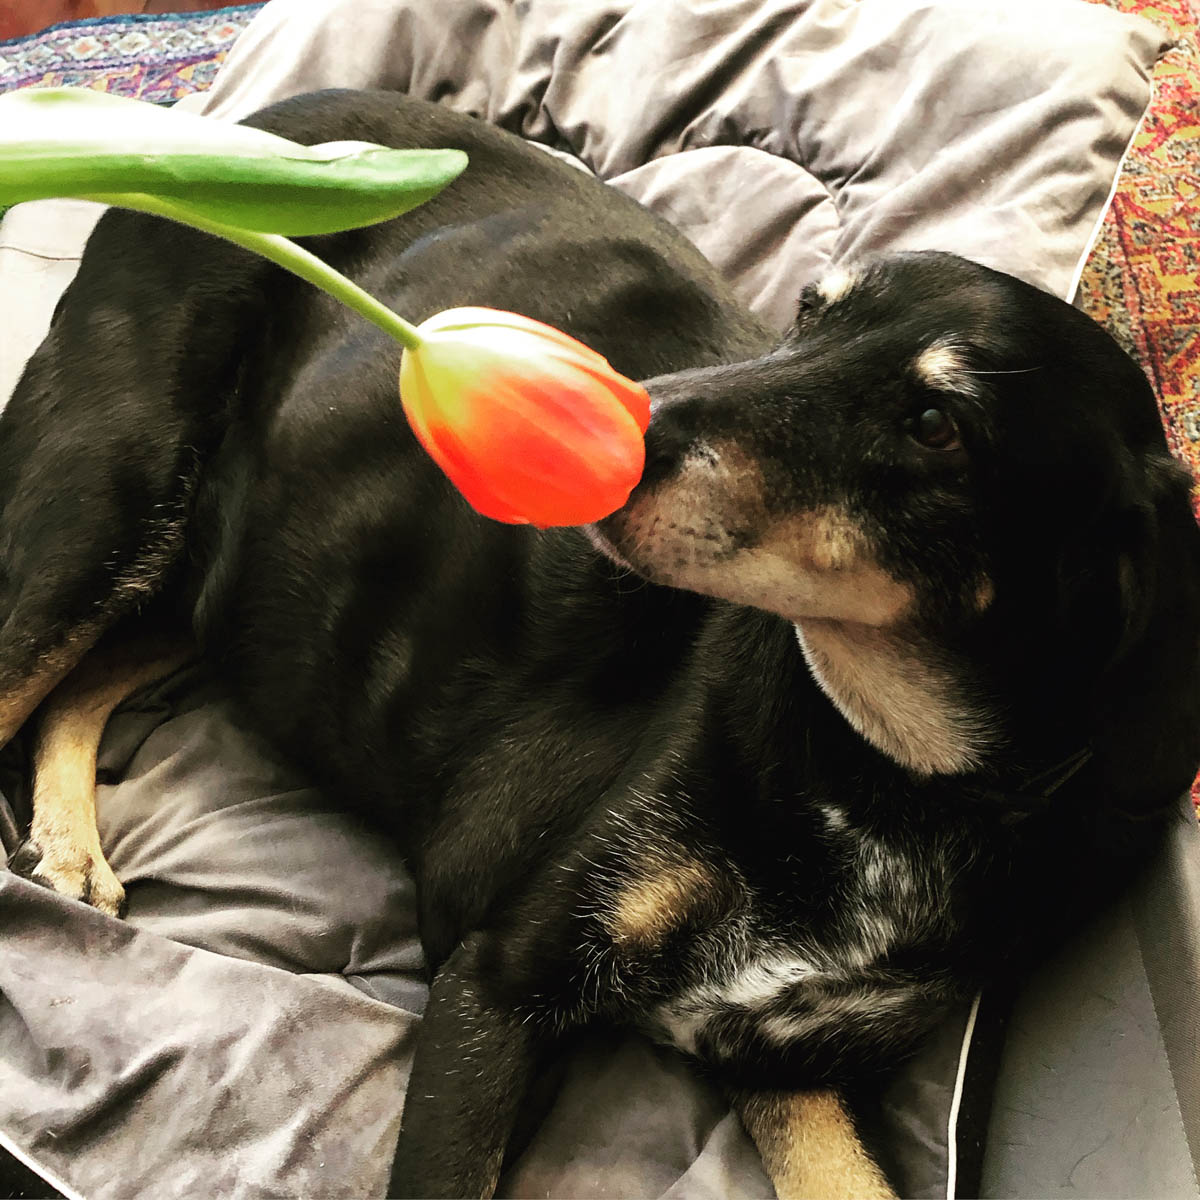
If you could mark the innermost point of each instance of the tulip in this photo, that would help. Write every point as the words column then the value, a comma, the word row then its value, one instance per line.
column 532, row 426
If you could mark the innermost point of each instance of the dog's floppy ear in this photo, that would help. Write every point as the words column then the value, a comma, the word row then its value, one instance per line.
column 1127, row 571
column 1159, row 538
column 1129, row 623
column 1144, row 533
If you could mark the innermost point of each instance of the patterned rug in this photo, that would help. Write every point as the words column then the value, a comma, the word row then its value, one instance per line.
column 148, row 57
column 1142, row 281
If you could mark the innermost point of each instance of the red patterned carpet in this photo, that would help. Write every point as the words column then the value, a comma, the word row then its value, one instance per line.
column 1143, row 278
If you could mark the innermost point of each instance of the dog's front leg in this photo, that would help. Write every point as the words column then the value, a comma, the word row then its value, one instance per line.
column 810, row 1147
column 473, row 1064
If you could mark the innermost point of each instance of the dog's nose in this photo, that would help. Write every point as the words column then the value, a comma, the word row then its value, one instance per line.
column 673, row 424
column 669, row 440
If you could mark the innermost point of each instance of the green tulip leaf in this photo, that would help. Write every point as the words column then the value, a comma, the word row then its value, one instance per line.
column 90, row 145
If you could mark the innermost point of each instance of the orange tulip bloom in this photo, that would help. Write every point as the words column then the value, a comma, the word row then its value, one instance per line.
column 529, row 424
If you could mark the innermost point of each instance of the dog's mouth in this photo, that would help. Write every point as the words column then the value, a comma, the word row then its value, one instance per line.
column 707, row 527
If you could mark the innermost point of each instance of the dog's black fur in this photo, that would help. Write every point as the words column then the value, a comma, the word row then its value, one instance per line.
column 888, row 666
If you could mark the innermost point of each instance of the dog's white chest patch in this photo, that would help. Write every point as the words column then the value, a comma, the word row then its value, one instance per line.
column 826, row 981
column 754, row 989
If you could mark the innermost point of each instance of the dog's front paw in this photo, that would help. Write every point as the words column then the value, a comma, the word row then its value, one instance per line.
column 71, row 870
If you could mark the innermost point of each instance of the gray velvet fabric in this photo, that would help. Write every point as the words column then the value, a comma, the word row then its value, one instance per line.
column 780, row 136
column 135, row 1066
column 246, row 1031
column 1100, row 1077
column 1166, row 913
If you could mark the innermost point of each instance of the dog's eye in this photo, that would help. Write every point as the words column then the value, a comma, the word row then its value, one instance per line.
column 935, row 429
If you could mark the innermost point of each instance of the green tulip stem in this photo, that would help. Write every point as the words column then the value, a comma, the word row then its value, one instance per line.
column 287, row 254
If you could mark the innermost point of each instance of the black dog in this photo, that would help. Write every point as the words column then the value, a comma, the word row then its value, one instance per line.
column 888, row 665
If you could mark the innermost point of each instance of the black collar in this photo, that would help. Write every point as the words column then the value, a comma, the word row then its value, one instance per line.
column 1023, row 794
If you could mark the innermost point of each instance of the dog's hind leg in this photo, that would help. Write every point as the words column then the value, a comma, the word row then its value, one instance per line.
column 106, row 437
column 810, row 1147
column 102, row 449
column 63, row 848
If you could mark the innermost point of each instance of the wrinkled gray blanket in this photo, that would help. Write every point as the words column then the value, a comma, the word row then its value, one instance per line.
column 246, row 1032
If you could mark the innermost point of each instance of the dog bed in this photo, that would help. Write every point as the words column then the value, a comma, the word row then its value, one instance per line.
column 246, row 1031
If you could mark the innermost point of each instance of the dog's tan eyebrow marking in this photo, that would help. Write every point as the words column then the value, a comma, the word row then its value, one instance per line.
column 836, row 284
column 943, row 366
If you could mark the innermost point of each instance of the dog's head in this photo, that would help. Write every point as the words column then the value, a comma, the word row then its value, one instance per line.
column 938, row 460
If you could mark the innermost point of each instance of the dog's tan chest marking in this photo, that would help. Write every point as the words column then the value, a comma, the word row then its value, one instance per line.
column 746, row 991
column 662, row 897
column 780, row 997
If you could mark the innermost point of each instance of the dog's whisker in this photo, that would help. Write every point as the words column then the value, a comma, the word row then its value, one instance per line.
column 1012, row 371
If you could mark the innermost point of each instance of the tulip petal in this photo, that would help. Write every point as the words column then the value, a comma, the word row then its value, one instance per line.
column 444, row 447
column 529, row 424
column 477, row 318
column 558, row 470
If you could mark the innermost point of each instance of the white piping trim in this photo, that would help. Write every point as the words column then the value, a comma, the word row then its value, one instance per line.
column 1112, row 192
column 53, row 1180
column 956, row 1101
